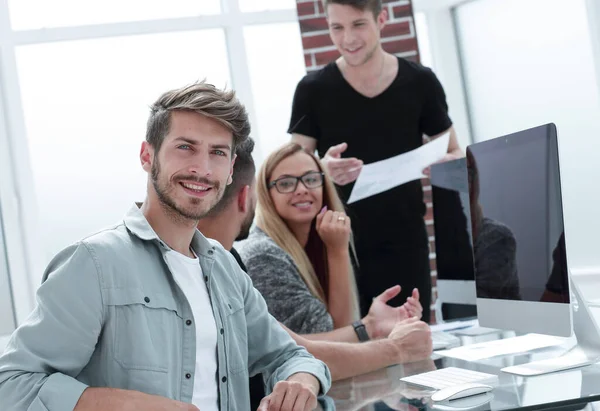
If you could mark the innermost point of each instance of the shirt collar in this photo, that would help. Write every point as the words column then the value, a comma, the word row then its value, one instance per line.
column 136, row 223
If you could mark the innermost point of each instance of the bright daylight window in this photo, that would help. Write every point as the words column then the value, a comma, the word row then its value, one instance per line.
column 36, row 14
column 273, row 77
column 86, row 105
column 85, row 82
column 261, row 5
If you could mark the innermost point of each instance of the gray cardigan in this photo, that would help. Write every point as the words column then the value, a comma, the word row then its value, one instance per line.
column 276, row 276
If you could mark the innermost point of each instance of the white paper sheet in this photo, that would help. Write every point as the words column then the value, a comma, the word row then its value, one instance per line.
column 383, row 175
column 507, row 346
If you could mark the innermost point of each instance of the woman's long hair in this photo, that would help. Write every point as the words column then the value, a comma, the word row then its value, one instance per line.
column 312, row 264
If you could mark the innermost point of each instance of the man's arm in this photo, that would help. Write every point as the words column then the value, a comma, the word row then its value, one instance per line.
column 309, row 143
column 271, row 351
column 379, row 321
column 409, row 341
column 38, row 368
column 45, row 354
column 454, row 150
column 100, row 399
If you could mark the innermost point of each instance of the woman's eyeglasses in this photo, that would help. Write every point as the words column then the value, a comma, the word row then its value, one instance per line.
column 288, row 184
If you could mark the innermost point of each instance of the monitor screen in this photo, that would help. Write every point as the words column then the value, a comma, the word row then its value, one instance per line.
column 517, row 218
column 452, row 221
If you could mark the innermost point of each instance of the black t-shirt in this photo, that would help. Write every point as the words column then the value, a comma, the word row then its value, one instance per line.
column 327, row 108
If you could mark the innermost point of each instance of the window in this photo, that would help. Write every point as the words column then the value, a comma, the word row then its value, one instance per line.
column 276, row 64
column 86, row 105
column 77, row 78
column 7, row 315
column 261, row 5
column 524, row 68
column 423, row 35
column 36, row 14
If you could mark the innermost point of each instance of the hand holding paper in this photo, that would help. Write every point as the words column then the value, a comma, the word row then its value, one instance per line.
column 386, row 174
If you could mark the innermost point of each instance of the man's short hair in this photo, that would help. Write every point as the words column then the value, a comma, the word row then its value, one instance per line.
column 202, row 98
column 244, row 171
column 373, row 5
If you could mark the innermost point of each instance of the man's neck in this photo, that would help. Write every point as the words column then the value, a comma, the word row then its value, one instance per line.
column 177, row 232
column 220, row 228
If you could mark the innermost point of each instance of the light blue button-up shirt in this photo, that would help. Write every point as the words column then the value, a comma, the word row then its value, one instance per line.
column 109, row 314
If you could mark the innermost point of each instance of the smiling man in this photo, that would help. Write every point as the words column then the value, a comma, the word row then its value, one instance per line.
column 149, row 314
column 367, row 106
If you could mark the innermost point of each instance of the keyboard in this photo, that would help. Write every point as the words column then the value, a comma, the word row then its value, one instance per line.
column 442, row 340
column 448, row 377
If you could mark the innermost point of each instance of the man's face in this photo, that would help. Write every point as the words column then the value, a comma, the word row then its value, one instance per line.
column 355, row 33
column 247, row 223
column 193, row 166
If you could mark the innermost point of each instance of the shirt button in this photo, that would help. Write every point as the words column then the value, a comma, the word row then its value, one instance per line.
column 210, row 252
column 188, row 376
column 147, row 299
column 222, row 331
column 224, row 379
column 188, row 322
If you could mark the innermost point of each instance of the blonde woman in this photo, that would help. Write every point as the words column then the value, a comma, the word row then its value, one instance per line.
column 298, row 254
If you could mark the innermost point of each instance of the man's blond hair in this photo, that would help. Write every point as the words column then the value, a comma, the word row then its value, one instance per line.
column 202, row 98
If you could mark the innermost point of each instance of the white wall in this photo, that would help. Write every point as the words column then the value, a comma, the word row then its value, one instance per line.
column 530, row 62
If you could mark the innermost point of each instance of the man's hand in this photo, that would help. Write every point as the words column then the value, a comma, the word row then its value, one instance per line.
column 412, row 340
column 297, row 393
column 97, row 399
column 382, row 317
column 413, row 305
column 341, row 170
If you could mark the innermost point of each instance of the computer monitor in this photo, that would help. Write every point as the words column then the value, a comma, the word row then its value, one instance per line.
column 516, row 209
column 519, row 243
column 456, row 296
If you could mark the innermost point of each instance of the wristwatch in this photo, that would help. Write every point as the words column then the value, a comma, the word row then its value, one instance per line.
column 361, row 331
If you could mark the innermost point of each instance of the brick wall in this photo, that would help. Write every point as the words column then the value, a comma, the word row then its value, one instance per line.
column 398, row 37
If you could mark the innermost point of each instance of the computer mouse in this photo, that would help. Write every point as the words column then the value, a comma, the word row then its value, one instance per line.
column 458, row 391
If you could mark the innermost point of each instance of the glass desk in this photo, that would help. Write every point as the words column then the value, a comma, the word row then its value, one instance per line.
column 382, row 390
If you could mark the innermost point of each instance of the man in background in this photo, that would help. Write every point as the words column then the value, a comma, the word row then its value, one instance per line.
column 370, row 105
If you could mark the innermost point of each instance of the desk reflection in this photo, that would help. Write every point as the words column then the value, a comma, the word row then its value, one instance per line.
column 378, row 391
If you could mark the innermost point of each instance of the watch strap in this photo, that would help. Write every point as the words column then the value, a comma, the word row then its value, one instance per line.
column 360, row 330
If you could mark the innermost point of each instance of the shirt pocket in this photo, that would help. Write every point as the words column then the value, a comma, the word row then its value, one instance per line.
column 237, row 342
column 145, row 328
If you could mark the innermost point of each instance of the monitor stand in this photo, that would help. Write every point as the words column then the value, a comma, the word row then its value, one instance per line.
column 585, row 330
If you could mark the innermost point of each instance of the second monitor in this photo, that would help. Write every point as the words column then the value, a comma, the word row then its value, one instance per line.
column 456, row 297
column 517, row 220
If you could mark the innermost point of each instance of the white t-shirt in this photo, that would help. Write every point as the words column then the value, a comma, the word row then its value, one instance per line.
column 188, row 275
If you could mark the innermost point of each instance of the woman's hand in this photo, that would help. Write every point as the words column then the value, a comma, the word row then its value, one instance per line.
column 334, row 229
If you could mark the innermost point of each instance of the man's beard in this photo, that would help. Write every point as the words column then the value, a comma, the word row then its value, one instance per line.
column 368, row 57
column 247, row 224
column 163, row 191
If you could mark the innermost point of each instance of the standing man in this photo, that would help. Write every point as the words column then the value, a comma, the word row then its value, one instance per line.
column 149, row 314
column 369, row 105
